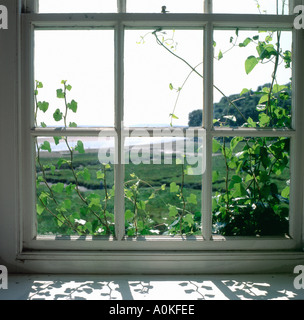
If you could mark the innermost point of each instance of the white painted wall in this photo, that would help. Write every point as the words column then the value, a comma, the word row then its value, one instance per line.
column 8, row 136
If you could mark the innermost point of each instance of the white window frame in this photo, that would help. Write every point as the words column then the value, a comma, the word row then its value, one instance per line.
column 152, row 254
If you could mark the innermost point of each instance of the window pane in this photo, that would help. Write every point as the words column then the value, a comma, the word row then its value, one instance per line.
column 173, row 6
column 75, row 193
column 252, row 78
column 85, row 58
column 157, row 82
column 77, row 6
column 162, row 188
column 251, row 6
column 251, row 178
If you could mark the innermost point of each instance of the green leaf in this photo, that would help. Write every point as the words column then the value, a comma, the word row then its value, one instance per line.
column 173, row 187
column 287, row 58
column 215, row 175
column 129, row 215
column 69, row 87
column 245, row 90
column 79, row 147
column 57, row 139
column 60, row 219
column 226, row 152
column 277, row 88
column 44, row 197
column 46, row 146
column 53, row 168
column 234, row 179
column 265, row 51
column 57, row 115
column 43, row 125
column 88, row 226
column 239, row 190
column 60, row 94
column 264, row 157
column 192, row 199
column 263, row 99
column 188, row 218
column 73, row 125
column 69, row 189
column 245, row 42
column 99, row 174
column 215, row 146
column 67, row 204
column 248, row 178
column 173, row 211
column 39, row 208
column 285, row 192
column 141, row 205
column 171, row 86
column 189, row 171
column 94, row 203
column 220, row 55
column 178, row 161
column 43, row 106
column 173, row 116
column 251, row 123
column 152, row 196
column 250, row 63
column 72, row 106
column 58, row 187
column 85, row 173
column 264, row 119
column 39, row 84
column 234, row 142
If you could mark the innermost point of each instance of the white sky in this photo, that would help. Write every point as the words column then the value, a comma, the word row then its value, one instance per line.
column 86, row 59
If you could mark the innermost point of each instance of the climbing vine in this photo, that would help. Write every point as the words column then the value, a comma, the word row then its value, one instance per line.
column 250, row 174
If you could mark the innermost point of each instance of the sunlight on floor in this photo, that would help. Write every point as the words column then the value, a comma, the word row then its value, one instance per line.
column 95, row 287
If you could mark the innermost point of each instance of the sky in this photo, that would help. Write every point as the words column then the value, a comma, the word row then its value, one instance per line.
column 85, row 58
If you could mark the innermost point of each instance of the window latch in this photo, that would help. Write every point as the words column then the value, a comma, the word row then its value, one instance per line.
column 164, row 9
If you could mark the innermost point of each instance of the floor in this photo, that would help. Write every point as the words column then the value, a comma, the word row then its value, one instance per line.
column 99, row 287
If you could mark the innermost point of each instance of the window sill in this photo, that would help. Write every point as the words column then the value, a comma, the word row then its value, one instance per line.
column 160, row 243
column 159, row 262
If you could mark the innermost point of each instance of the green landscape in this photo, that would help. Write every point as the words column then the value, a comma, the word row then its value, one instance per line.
column 250, row 175
column 159, row 196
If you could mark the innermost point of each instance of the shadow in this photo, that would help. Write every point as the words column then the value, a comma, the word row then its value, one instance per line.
column 244, row 287
column 145, row 287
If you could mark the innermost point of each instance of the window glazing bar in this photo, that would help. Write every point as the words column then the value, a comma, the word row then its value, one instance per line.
column 160, row 20
column 119, row 174
column 252, row 132
column 207, row 125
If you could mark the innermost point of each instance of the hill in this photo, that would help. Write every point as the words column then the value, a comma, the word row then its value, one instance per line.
column 246, row 102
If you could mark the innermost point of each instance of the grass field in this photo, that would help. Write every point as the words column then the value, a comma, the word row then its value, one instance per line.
column 153, row 185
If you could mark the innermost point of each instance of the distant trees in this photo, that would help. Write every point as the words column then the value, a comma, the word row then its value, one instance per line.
column 195, row 118
column 247, row 102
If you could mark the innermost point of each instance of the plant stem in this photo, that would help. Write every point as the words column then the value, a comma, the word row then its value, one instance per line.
column 72, row 166
column 227, row 176
column 195, row 71
column 183, row 199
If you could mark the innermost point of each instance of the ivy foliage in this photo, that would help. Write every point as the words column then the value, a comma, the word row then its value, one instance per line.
column 251, row 184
